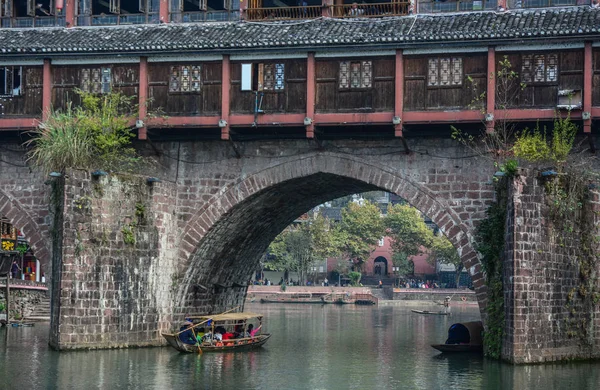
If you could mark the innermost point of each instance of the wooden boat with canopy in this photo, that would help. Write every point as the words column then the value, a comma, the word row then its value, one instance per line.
column 235, row 324
column 463, row 337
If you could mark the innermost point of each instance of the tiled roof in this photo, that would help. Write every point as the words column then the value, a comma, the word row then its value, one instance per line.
column 569, row 22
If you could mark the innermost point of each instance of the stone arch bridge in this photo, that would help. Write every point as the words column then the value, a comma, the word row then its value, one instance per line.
column 131, row 256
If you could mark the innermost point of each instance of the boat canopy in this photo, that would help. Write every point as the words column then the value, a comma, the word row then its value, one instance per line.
column 465, row 333
column 227, row 317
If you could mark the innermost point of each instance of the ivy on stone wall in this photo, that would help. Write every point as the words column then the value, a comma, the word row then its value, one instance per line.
column 490, row 243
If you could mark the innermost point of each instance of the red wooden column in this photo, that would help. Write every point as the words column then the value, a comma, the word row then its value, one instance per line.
column 225, row 87
column 310, row 94
column 70, row 13
column 491, row 90
column 143, row 97
column 163, row 11
column 587, row 86
column 46, row 89
column 399, row 94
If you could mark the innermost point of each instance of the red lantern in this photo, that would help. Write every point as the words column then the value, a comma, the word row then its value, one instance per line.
column 59, row 4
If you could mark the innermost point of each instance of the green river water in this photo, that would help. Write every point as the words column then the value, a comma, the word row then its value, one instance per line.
column 312, row 347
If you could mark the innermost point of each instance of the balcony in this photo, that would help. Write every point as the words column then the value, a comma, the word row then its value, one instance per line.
column 28, row 21
column 283, row 9
column 205, row 16
column 431, row 6
column 369, row 10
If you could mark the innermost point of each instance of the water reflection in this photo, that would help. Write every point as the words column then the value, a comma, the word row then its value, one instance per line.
column 312, row 347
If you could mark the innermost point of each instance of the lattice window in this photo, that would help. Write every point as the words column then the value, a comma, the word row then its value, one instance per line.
column 355, row 75
column 344, row 75
column 185, row 79
column 445, row 72
column 274, row 77
column 96, row 80
column 539, row 68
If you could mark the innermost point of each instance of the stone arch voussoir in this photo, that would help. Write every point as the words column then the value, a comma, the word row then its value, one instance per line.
column 22, row 220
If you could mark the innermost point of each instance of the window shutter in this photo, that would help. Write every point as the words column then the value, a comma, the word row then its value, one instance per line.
column 3, row 7
column 202, row 5
column 83, row 8
column 227, row 4
column 17, row 81
column 106, row 80
column 142, row 5
column 261, row 78
column 31, row 7
column 51, row 8
column 114, row 6
column 8, row 80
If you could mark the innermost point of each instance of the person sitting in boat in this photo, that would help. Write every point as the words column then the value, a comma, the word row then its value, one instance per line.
column 187, row 334
column 251, row 331
column 219, row 333
column 208, row 337
column 200, row 335
column 227, row 335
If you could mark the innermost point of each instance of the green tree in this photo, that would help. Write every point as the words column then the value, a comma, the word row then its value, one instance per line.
column 361, row 228
column 443, row 251
column 404, row 263
column 407, row 229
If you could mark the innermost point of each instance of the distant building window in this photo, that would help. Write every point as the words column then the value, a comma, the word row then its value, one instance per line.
column 445, row 72
column 539, row 68
column 96, row 80
column 185, row 79
column 381, row 242
column 355, row 75
column 11, row 80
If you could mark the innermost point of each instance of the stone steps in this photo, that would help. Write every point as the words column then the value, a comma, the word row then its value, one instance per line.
column 41, row 311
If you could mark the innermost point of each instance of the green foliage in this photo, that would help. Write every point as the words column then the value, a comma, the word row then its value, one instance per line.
column 22, row 249
column 355, row 278
column 533, row 146
column 128, row 234
column 409, row 232
column 2, row 307
column 442, row 251
column 95, row 135
column 404, row 263
column 361, row 228
column 490, row 243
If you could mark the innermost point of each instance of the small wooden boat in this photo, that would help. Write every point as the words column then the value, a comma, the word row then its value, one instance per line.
column 185, row 340
column 22, row 324
column 291, row 298
column 463, row 337
column 338, row 299
column 437, row 313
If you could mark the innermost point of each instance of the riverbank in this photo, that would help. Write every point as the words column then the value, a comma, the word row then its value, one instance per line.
column 385, row 296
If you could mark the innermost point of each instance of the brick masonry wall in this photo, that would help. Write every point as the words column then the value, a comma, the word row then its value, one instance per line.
column 541, row 270
column 114, row 292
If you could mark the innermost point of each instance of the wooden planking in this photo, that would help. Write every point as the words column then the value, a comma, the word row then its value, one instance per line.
column 30, row 101
column 206, row 102
column 379, row 98
column 66, row 79
column 291, row 100
column 418, row 96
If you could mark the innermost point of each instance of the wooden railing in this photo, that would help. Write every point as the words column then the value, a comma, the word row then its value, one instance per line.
column 370, row 10
column 28, row 21
column 426, row 7
column 284, row 13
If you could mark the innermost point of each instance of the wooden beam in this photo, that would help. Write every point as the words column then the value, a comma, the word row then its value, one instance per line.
column 18, row 123
column 143, row 97
column 225, row 90
column 70, row 13
column 46, row 89
column 163, row 11
column 491, row 90
column 354, row 118
column 399, row 94
column 310, row 94
column 267, row 120
column 588, row 72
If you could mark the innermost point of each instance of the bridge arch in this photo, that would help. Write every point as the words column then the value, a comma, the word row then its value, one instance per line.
column 20, row 218
column 222, row 243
